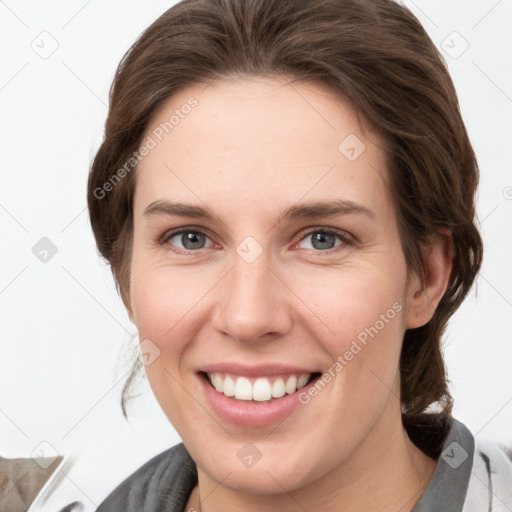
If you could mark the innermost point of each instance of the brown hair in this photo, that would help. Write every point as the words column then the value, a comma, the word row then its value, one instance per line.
column 374, row 53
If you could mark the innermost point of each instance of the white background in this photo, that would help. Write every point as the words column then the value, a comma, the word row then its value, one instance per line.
column 65, row 340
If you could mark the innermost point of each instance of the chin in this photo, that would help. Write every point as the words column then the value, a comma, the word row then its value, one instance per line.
column 260, row 480
column 272, row 474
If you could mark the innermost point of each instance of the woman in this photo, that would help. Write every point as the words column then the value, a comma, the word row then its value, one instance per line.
column 285, row 194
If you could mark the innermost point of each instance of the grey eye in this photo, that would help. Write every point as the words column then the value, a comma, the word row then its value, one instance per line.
column 322, row 240
column 190, row 240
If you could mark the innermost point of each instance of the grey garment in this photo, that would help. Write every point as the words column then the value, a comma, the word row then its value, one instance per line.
column 448, row 486
column 165, row 482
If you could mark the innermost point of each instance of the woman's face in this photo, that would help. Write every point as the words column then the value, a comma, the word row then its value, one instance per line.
column 266, row 248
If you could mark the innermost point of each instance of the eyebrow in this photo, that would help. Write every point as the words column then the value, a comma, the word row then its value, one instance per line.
column 300, row 211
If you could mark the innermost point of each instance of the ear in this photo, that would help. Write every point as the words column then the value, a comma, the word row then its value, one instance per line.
column 423, row 298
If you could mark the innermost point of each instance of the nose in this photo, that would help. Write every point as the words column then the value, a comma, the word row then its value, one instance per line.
column 254, row 302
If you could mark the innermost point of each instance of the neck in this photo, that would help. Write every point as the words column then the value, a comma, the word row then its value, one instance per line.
column 386, row 473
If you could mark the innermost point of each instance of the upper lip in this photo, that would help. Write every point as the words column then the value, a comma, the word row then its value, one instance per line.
column 256, row 370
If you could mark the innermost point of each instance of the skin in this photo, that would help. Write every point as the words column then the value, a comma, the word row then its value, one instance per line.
column 251, row 148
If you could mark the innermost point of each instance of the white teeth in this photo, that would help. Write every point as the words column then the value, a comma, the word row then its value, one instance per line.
column 218, row 382
column 243, row 389
column 278, row 388
column 302, row 381
column 229, row 386
column 291, row 385
column 261, row 390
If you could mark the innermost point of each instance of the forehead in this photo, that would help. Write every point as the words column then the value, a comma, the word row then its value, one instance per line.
column 260, row 141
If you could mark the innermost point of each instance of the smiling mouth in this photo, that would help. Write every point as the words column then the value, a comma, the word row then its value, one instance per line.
column 258, row 389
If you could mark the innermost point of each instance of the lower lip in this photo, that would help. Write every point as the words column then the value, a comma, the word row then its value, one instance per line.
column 251, row 414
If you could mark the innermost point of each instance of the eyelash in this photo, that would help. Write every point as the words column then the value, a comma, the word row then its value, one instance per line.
column 164, row 239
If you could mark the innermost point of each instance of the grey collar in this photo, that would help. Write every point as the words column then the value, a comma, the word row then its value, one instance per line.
column 449, row 483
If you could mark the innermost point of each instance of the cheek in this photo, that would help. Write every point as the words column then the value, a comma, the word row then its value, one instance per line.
column 352, row 302
column 362, row 325
column 164, row 298
column 167, row 304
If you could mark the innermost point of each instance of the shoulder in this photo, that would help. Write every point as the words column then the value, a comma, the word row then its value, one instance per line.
column 490, row 486
column 164, row 483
